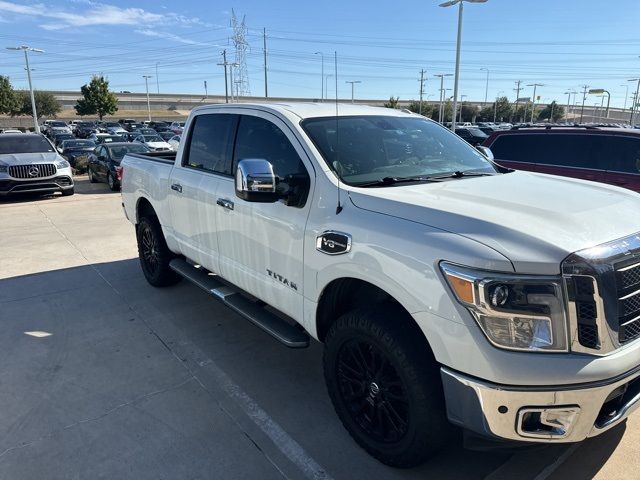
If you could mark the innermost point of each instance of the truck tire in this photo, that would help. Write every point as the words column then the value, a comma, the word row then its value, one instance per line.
column 154, row 254
column 385, row 385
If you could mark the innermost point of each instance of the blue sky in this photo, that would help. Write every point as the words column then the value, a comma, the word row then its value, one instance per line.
column 560, row 43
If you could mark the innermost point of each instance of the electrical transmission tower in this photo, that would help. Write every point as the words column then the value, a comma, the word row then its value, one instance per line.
column 241, row 46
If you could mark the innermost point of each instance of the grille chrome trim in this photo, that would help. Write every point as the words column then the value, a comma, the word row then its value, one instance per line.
column 632, row 294
column 32, row 170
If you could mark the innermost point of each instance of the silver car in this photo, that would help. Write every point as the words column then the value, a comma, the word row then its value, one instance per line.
column 30, row 164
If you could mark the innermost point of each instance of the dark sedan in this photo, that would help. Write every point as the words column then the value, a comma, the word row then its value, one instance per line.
column 473, row 135
column 85, row 129
column 73, row 149
column 61, row 137
column 105, row 158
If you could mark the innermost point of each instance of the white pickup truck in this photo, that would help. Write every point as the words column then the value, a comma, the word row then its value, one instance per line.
column 446, row 290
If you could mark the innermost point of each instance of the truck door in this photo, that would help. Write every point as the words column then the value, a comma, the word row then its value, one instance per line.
column 206, row 157
column 261, row 244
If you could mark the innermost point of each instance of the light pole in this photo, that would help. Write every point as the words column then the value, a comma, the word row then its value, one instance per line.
column 462, row 97
column 146, row 83
column 26, row 49
column 626, row 94
column 632, row 120
column 600, row 92
column 486, row 87
column 568, row 94
column 533, row 99
column 460, row 4
column 326, row 86
column 157, row 79
column 352, row 82
column 321, row 75
column 442, row 75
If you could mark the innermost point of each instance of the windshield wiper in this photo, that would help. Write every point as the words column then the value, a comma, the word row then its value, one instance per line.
column 386, row 181
column 461, row 174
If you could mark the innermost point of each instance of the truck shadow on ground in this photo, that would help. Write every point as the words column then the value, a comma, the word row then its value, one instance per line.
column 183, row 327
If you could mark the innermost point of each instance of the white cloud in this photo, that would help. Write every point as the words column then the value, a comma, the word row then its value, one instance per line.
column 96, row 14
column 171, row 36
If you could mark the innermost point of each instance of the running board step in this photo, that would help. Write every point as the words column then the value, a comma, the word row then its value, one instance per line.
column 269, row 322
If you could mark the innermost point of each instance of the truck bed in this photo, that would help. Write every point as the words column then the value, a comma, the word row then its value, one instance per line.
column 164, row 156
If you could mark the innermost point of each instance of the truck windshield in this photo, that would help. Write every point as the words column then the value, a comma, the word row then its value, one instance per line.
column 24, row 144
column 363, row 149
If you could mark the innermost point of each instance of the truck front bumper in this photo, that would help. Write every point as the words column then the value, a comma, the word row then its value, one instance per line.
column 540, row 414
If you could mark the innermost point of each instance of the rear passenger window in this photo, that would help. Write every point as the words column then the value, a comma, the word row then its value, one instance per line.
column 517, row 148
column 622, row 154
column 211, row 142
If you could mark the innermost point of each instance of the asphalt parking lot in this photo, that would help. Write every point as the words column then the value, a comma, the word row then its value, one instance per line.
column 104, row 376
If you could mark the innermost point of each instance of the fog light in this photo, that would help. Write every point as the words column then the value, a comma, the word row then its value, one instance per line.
column 551, row 423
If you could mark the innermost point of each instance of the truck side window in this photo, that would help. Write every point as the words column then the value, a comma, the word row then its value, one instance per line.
column 517, row 148
column 259, row 138
column 211, row 142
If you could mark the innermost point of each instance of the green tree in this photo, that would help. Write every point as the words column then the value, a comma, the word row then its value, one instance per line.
column 501, row 109
column 46, row 104
column 393, row 102
column 8, row 98
column 467, row 112
column 558, row 112
column 427, row 109
column 447, row 109
column 97, row 99
column 523, row 112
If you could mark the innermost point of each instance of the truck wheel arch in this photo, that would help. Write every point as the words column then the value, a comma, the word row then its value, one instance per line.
column 345, row 294
column 144, row 209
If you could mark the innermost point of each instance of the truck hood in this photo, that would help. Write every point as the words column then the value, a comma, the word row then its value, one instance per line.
column 534, row 220
column 26, row 158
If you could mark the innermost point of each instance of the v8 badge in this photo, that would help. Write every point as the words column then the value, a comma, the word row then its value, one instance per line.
column 333, row 243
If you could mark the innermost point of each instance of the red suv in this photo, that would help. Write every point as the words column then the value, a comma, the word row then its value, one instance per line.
column 608, row 155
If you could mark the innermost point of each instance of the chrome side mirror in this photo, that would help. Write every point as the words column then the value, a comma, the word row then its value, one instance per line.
column 255, row 181
column 486, row 151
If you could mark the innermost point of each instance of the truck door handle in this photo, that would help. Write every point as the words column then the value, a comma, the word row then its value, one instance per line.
column 228, row 204
column 177, row 187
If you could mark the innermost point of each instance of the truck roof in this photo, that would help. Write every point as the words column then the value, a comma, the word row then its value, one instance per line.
column 304, row 110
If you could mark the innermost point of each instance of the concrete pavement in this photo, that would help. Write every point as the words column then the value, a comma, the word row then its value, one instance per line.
column 104, row 376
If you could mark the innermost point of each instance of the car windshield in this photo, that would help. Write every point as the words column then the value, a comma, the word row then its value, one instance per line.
column 78, row 144
column 476, row 132
column 112, row 138
column 119, row 151
column 152, row 138
column 57, row 124
column 364, row 149
column 24, row 144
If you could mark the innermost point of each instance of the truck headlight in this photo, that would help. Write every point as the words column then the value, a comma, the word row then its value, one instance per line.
column 515, row 312
column 62, row 164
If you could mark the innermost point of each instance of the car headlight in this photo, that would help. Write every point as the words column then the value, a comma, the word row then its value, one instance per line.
column 62, row 164
column 515, row 312
column 3, row 169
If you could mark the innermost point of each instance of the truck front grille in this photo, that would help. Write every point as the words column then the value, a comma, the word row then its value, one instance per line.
column 603, row 294
column 35, row 170
column 628, row 291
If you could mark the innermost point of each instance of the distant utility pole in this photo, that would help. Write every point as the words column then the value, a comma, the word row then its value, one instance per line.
column 486, row 87
column 34, row 112
column 146, row 83
column 584, row 97
column 226, row 85
column 157, row 79
column 517, row 90
column 533, row 99
column 422, row 79
column 264, row 43
column 634, row 105
column 352, row 82
column 442, row 94
column 321, row 75
column 206, row 94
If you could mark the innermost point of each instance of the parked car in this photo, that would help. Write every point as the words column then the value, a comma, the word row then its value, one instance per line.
column 56, row 127
column 132, row 127
column 146, row 131
column 473, row 135
column 129, row 136
column 443, row 289
column 608, row 155
column 177, row 127
column 166, row 136
column 61, row 137
column 154, row 142
column 73, row 149
column 174, row 142
column 104, row 160
column 10, row 130
column 100, row 138
column 30, row 164
column 86, row 129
